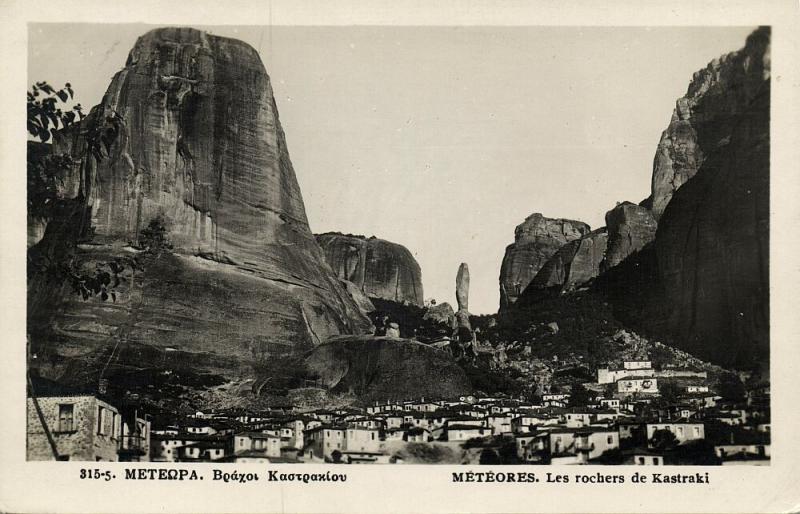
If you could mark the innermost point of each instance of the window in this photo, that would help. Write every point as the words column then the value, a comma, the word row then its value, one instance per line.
column 373, row 436
column 117, row 429
column 641, row 460
column 697, row 431
column 656, row 461
column 100, row 415
column 610, row 440
column 66, row 418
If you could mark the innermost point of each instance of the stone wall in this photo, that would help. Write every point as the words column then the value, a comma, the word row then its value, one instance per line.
column 82, row 443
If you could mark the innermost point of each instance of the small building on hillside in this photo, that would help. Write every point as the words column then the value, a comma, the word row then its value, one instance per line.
column 417, row 435
column 464, row 432
column 683, row 430
column 533, row 447
column 203, row 451
column 135, row 443
column 323, row 440
column 362, row 439
column 583, row 443
column 643, row 457
column 268, row 444
column 644, row 385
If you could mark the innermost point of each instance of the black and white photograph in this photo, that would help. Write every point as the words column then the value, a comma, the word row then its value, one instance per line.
column 465, row 265
column 513, row 257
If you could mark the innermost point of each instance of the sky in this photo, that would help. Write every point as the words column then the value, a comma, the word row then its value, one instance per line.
column 444, row 139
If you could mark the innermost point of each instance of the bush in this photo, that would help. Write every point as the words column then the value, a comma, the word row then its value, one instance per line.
column 410, row 318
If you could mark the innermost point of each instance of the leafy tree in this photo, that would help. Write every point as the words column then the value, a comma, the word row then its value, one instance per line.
column 670, row 393
column 44, row 180
column 489, row 456
column 153, row 238
column 730, row 387
column 579, row 396
column 336, row 456
column 508, row 452
column 47, row 110
column 663, row 439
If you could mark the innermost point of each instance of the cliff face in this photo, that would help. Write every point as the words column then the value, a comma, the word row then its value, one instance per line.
column 630, row 228
column 690, row 264
column 704, row 118
column 188, row 133
column 535, row 241
column 381, row 269
column 713, row 247
column 574, row 264
column 377, row 368
column 703, row 283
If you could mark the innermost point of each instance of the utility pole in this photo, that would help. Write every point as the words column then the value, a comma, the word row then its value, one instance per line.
column 39, row 413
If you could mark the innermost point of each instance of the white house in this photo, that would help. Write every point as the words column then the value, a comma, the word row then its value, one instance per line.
column 362, row 439
column 683, row 430
column 463, row 432
column 630, row 385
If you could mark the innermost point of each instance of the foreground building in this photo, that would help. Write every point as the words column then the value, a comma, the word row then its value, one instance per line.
column 80, row 427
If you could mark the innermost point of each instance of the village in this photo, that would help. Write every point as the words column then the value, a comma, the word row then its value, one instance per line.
column 651, row 417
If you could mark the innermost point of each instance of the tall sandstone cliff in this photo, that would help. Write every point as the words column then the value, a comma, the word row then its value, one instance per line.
column 704, row 118
column 574, row 264
column 188, row 133
column 713, row 247
column 703, row 284
column 630, row 228
column 381, row 269
column 536, row 240
column 690, row 264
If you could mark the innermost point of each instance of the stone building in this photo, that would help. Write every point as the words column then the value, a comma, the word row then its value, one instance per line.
column 83, row 428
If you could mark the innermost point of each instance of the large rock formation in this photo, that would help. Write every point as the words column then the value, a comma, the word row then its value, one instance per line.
column 704, row 118
column 441, row 313
column 574, row 264
column 188, row 137
column 382, row 368
column 630, row 228
column 381, row 269
column 462, row 287
column 703, row 284
column 535, row 241
column 713, row 247
column 463, row 325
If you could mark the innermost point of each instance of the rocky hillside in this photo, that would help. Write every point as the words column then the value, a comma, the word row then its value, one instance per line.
column 381, row 269
column 535, row 241
column 184, row 212
column 376, row 368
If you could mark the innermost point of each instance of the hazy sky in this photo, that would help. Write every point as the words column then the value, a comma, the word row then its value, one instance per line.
column 444, row 139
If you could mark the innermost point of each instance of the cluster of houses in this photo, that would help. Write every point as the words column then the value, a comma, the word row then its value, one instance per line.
column 626, row 427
